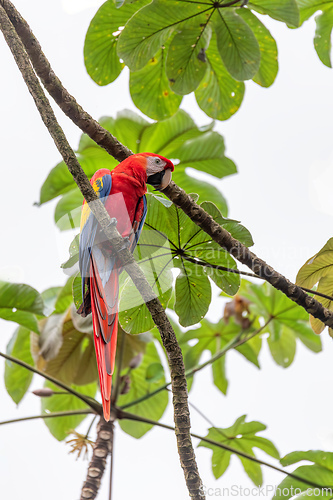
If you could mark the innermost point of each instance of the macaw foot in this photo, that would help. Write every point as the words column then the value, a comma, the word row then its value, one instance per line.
column 126, row 243
column 113, row 222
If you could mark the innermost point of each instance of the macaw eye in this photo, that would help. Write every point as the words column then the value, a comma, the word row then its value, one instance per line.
column 157, row 161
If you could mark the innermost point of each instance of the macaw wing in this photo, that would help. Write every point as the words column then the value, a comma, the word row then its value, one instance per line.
column 101, row 183
column 138, row 223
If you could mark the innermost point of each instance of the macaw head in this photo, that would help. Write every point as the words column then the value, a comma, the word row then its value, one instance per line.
column 158, row 170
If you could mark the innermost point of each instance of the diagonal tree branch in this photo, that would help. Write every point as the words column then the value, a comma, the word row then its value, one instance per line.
column 174, row 353
column 177, row 195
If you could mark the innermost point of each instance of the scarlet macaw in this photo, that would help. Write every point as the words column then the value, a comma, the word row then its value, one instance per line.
column 123, row 193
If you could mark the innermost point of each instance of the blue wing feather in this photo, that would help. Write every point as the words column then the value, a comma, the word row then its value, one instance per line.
column 102, row 185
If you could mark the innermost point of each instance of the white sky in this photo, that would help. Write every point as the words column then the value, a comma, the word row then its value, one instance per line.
column 281, row 141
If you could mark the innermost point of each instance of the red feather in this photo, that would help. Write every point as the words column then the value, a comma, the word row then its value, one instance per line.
column 125, row 203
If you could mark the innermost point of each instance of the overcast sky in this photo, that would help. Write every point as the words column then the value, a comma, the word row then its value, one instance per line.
column 281, row 142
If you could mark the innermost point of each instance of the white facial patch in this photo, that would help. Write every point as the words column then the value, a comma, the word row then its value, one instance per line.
column 154, row 165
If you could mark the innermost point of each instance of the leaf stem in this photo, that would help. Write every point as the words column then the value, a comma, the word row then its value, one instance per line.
column 69, row 413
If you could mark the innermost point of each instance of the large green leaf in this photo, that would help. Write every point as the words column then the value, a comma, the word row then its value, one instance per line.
column 186, row 61
column 60, row 427
column 193, row 294
column 237, row 45
column 20, row 303
column 151, row 27
column 218, row 95
column 18, row 378
column 308, row 7
column 150, row 90
column 242, row 436
column 283, row 10
column 287, row 322
column 100, row 48
column 152, row 408
column 268, row 67
column 322, row 39
column 319, row 472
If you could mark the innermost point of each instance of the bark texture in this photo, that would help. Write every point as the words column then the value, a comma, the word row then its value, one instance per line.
column 102, row 448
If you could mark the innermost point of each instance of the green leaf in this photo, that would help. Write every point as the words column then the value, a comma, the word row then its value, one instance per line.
column 322, row 39
column 150, row 90
column 65, row 297
column 18, row 378
column 60, row 181
column 77, row 290
column 237, row 45
column 242, row 437
column 152, row 408
column 218, row 94
column 49, row 297
column 193, row 294
column 318, row 266
column 60, row 427
column 154, row 373
column 282, row 10
column 100, row 47
column 205, row 190
column 236, row 229
column 150, row 28
column 186, row 62
column 20, row 303
column 73, row 253
column 283, row 347
column 320, row 472
column 268, row 50
column 308, row 7
column 67, row 214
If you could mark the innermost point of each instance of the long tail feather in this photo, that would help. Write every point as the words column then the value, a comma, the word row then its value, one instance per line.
column 104, row 308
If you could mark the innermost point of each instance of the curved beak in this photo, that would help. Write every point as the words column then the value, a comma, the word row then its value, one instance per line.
column 160, row 180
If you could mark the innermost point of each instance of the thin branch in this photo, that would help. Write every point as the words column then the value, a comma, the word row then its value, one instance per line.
column 130, row 416
column 126, row 259
column 92, row 403
column 49, row 415
column 102, row 448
